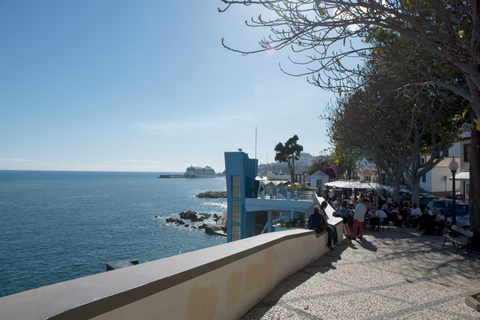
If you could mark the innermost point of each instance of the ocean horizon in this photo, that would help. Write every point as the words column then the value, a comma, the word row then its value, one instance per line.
column 62, row 225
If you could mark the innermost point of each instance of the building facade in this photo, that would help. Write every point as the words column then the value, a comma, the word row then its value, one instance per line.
column 318, row 179
column 437, row 182
column 241, row 184
column 250, row 212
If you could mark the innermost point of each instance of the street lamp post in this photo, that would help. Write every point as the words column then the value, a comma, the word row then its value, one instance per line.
column 453, row 168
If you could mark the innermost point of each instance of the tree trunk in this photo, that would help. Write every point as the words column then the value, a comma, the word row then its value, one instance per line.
column 396, row 195
column 396, row 184
column 291, row 166
column 474, row 193
column 416, row 190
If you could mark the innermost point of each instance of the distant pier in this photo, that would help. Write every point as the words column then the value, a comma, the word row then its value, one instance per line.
column 168, row 176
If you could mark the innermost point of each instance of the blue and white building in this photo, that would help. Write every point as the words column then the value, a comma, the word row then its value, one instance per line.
column 250, row 212
column 241, row 184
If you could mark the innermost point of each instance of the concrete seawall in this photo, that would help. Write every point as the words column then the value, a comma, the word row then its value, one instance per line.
column 222, row 282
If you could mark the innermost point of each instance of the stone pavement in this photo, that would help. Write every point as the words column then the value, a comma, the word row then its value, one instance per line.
column 394, row 274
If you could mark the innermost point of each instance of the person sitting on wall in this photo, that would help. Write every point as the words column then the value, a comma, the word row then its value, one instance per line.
column 323, row 206
column 317, row 222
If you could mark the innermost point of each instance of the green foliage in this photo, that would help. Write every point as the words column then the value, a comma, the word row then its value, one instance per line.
column 345, row 158
column 296, row 223
column 305, row 187
column 320, row 163
column 289, row 152
column 301, row 221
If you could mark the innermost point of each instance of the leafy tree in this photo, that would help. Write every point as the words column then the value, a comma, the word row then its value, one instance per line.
column 422, row 123
column 356, row 125
column 329, row 34
column 447, row 31
column 396, row 141
column 321, row 162
column 289, row 152
column 331, row 172
column 314, row 167
column 345, row 157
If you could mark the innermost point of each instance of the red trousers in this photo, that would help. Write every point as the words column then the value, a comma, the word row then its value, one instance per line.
column 357, row 226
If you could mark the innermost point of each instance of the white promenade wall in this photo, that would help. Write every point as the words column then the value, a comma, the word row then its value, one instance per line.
column 221, row 282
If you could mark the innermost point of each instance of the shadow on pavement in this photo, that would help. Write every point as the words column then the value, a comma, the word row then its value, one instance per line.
column 399, row 252
column 321, row 265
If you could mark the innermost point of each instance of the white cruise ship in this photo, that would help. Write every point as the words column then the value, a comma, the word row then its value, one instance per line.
column 199, row 172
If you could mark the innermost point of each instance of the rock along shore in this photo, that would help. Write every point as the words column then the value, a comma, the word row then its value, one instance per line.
column 212, row 194
column 193, row 216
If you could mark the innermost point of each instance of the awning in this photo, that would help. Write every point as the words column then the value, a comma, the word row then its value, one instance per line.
column 463, row 175
column 355, row 184
column 274, row 183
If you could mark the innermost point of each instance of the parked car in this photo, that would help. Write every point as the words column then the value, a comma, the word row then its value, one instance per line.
column 458, row 196
column 462, row 222
column 423, row 194
column 424, row 200
column 461, row 209
column 438, row 204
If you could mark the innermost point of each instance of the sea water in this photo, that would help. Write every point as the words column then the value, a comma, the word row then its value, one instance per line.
column 57, row 226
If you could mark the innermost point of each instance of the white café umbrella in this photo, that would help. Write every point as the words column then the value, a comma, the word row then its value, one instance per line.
column 354, row 184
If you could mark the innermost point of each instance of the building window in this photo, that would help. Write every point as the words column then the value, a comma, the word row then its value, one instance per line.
column 236, row 211
column 236, row 187
column 466, row 152
column 236, row 233
column 424, row 178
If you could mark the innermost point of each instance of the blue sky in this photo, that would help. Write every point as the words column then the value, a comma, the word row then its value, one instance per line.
column 143, row 86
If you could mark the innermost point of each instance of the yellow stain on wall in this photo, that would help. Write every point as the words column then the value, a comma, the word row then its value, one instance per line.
column 269, row 264
column 233, row 288
column 255, row 274
column 254, row 277
column 202, row 302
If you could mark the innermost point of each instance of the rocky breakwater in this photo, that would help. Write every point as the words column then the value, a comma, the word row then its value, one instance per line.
column 194, row 218
column 213, row 194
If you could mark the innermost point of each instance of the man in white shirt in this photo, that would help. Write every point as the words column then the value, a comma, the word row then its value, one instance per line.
column 415, row 214
column 359, row 217
column 430, row 213
column 385, row 207
column 380, row 214
column 440, row 216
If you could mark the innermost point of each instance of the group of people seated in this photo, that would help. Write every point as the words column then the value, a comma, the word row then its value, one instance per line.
column 353, row 221
column 359, row 216
column 425, row 222
column 428, row 223
column 376, row 213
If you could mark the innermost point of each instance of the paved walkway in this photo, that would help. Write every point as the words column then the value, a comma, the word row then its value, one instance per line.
column 394, row 274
